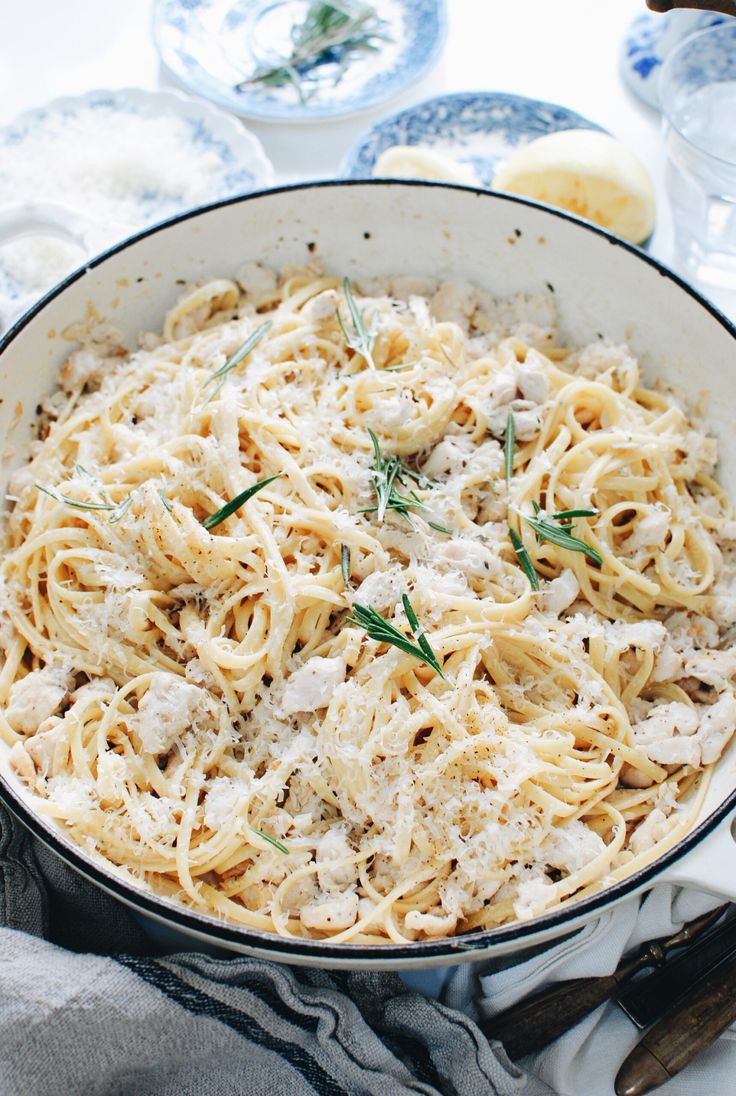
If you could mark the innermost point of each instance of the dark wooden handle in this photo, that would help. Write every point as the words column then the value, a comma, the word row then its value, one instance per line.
column 728, row 7
column 530, row 1026
column 681, row 1034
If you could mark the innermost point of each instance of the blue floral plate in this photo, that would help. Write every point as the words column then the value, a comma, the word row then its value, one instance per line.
column 649, row 39
column 477, row 128
column 214, row 47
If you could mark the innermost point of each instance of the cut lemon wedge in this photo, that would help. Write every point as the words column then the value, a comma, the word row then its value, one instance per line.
column 587, row 173
column 414, row 162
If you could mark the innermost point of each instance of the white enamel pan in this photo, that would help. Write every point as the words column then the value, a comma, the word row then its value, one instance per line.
column 357, row 228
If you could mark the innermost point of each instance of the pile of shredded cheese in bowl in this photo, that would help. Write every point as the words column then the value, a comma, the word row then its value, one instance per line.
column 366, row 611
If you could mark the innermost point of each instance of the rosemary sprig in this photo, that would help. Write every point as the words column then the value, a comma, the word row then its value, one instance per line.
column 546, row 530
column 383, row 631
column 332, row 30
column 524, row 559
column 386, row 473
column 509, row 447
column 116, row 510
column 345, row 564
column 218, row 377
column 271, row 840
column 75, row 503
column 235, row 504
column 361, row 339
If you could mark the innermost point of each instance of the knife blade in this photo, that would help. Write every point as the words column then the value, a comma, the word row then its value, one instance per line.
column 683, row 1032
column 645, row 999
column 534, row 1023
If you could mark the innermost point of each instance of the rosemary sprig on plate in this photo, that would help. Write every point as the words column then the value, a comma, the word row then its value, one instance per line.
column 524, row 559
column 547, row 529
column 332, row 31
column 218, row 377
column 271, row 840
column 386, row 474
column 235, row 504
column 509, row 447
column 361, row 339
column 383, row 631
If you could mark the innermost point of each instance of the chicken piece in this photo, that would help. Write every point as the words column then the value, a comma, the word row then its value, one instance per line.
column 431, row 924
column 312, row 685
column 167, row 710
column 654, row 827
column 331, row 913
column 337, row 869
column 559, row 593
column 716, row 728
column 36, row 697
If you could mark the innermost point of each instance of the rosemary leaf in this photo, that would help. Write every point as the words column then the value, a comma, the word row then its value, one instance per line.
column 121, row 509
column 235, row 504
column 165, row 501
column 361, row 339
column 524, row 559
column 509, row 447
column 75, row 503
column 564, row 515
column 345, row 562
column 271, row 840
column 386, row 473
column 383, row 631
column 555, row 534
column 439, row 528
column 218, row 377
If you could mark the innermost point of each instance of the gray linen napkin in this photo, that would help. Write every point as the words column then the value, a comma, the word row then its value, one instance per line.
column 89, row 1005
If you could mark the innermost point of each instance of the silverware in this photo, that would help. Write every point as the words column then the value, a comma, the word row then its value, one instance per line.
column 647, row 999
column 682, row 1033
column 533, row 1024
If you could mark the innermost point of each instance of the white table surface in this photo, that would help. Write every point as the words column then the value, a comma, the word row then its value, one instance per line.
column 565, row 51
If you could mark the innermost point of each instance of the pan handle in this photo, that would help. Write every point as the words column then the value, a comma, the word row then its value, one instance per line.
column 711, row 865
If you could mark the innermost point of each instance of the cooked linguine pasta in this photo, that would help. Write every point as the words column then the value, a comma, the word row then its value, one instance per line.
column 369, row 613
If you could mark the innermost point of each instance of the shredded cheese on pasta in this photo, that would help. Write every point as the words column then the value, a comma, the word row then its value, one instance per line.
column 198, row 706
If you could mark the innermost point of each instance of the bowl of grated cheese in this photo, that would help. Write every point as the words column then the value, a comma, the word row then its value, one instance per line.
column 367, row 587
column 115, row 161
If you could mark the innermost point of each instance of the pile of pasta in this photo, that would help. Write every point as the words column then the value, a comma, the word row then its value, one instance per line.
column 189, row 688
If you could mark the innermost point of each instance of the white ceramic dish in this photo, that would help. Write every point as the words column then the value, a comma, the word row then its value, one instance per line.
column 499, row 241
column 213, row 46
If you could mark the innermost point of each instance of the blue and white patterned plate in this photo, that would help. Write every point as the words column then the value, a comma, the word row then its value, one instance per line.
column 477, row 128
column 214, row 46
column 649, row 39
column 131, row 191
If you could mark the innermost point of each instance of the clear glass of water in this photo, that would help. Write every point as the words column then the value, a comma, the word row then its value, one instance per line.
column 698, row 102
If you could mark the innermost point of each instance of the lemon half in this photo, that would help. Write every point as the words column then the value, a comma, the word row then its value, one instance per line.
column 587, row 173
column 416, row 162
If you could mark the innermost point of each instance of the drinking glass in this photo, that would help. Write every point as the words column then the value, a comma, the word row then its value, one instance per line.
column 698, row 102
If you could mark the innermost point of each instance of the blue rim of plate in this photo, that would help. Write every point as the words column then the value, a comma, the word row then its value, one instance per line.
column 468, row 114
column 642, row 50
column 426, row 21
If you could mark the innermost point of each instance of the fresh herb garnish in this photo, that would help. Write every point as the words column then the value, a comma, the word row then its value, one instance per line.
column 331, row 32
column 345, row 562
column 235, row 504
column 165, row 501
column 546, row 530
column 568, row 515
column 218, row 377
column 509, row 447
column 439, row 528
column 271, row 840
column 386, row 473
column 524, row 559
column 361, row 339
column 383, row 631
column 115, row 509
